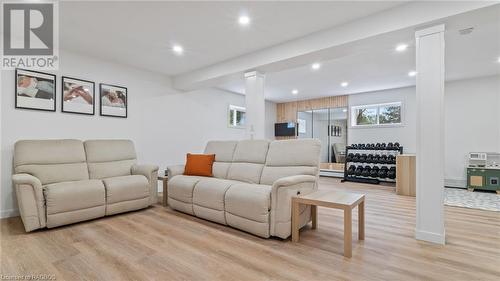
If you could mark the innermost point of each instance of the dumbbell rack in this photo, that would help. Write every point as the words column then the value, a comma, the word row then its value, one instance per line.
column 363, row 179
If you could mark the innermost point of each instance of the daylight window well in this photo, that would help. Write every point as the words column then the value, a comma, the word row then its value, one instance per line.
column 236, row 116
column 376, row 115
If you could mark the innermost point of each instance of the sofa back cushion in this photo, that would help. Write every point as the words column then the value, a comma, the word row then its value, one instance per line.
column 291, row 157
column 248, row 160
column 51, row 161
column 109, row 158
column 224, row 151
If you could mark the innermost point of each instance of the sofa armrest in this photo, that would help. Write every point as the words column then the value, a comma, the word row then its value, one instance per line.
column 175, row 170
column 29, row 193
column 281, row 199
column 151, row 173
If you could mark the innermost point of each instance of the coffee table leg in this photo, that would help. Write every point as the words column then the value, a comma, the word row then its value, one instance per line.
column 314, row 214
column 361, row 220
column 348, row 232
column 295, row 221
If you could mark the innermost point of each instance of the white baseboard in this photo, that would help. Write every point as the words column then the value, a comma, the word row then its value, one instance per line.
column 460, row 183
column 9, row 213
column 438, row 238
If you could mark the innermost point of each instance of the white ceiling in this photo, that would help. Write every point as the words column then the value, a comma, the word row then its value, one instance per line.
column 373, row 64
column 141, row 33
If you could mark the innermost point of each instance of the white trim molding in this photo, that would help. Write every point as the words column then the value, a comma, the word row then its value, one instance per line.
column 438, row 238
column 9, row 213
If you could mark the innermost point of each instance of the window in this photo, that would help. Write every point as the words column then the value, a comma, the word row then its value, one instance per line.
column 376, row 115
column 236, row 116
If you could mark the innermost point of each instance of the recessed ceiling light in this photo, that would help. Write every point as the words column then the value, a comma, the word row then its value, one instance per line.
column 344, row 110
column 412, row 73
column 178, row 49
column 244, row 20
column 316, row 66
column 295, row 92
column 344, row 84
column 498, row 60
column 401, row 47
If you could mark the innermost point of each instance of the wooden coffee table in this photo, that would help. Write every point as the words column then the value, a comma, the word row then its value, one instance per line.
column 332, row 199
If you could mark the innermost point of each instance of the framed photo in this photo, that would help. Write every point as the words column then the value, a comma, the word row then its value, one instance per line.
column 77, row 96
column 35, row 90
column 113, row 100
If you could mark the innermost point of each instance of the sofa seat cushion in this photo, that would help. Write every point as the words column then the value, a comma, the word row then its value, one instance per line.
column 74, row 195
column 181, row 187
column 250, row 201
column 210, row 192
column 126, row 188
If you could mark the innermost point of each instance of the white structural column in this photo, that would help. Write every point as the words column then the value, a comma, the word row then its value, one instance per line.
column 255, row 105
column 430, row 134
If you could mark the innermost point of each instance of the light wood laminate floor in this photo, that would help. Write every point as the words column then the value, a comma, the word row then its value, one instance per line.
column 162, row 244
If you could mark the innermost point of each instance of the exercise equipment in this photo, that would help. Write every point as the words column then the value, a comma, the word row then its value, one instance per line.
column 369, row 158
column 382, row 173
column 356, row 157
column 359, row 170
column 391, row 173
column 381, row 160
column 374, row 172
column 391, row 159
column 349, row 157
column 351, row 170
column 366, row 171
column 362, row 158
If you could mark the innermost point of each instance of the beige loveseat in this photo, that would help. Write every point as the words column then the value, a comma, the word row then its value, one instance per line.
column 252, row 186
column 59, row 182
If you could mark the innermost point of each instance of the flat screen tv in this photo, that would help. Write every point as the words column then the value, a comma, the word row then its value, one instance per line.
column 284, row 129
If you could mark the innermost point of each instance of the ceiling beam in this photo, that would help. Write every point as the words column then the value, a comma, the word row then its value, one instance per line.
column 279, row 57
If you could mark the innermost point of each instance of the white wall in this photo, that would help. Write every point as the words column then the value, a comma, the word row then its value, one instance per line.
column 472, row 122
column 405, row 134
column 163, row 123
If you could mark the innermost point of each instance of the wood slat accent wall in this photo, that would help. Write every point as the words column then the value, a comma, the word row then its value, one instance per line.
column 287, row 111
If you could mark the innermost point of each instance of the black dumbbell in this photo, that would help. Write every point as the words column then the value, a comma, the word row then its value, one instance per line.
column 369, row 158
column 377, row 146
column 359, row 170
column 366, row 171
column 372, row 146
column 382, row 173
column 349, row 157
column 396, row 146
column 356, row 157
column 391, row 159
column 375, row 158
column 391, row 173
column 374, row 172
column 351, row 170
column 362, row 158
column 354, row 146
column 383, row 145
column 390, row 146
column 382, row 159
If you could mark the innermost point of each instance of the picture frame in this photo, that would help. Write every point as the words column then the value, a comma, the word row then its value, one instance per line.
column 113, row 100
column 77, row 96
column 35, row 90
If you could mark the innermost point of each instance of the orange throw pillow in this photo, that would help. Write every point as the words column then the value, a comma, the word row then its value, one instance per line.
column 199, row 165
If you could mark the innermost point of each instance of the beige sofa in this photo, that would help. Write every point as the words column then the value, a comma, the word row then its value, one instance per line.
column 59, row 182
column 252, row 186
